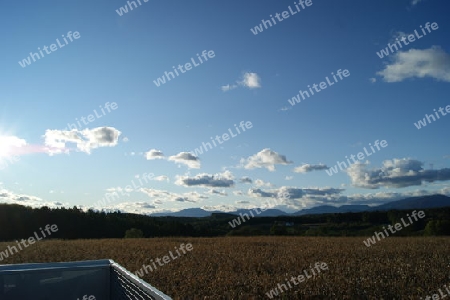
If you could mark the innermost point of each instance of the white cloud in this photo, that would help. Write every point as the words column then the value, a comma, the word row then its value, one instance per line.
column 134, row 207
column 217, row 192
column 265, row 158
column 293, row 192
column 154, row 154
column 10, row 197
column 300, row 198
column 161, row 178
column 85, row 140
column 165, row 196
column 224, row 179
column 246, row 179
column 220, row 207
column 186, row 158
column 228, row 87
column 397, row 173
column 284, row 108
column 112, row 191
column 260, row 182
column 433, row 63
column 249, row 80
column 242, row 202
column 305, row 168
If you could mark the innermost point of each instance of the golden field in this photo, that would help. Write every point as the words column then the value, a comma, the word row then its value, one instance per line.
column 249, row 267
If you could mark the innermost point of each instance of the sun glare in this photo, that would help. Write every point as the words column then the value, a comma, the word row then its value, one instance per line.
column 9, row 145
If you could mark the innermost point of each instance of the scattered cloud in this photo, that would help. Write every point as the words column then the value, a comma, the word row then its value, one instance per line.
column 260, row 182
column 311, row 197
column 154, row 154
column 305, row 168
column 300, row 198
column 186, row 158
column 242, row 202
column 112, row 191
column 165, row 196
column 396, row 173
column 220, row 207
column 293, row 192
column 433, row 63
column 85, row 140
column 217, row 192
column 144, row 208
column 285, row 108
column 246, row 179
column 228, row 87
column 265, row 158
column 161, row 178
column 10, row 197
column 224, row 180
column 249, row 80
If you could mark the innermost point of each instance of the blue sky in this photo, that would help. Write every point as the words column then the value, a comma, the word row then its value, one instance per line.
column 156, row 129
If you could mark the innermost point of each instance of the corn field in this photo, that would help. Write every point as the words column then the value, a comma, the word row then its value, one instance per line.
column 249, row 267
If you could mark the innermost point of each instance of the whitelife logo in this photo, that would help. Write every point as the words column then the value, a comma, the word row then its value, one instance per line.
column 86, row 297
column 279, row 199
column 124, row 9
column 411, row 38
column 166, row 259
column 297, row 280
column 360, row 156
column 397, row 226
column 27, row 61
column 285, row 14
column 423, row 123
column 109, row 197
column 187, row 66
column 92, row 117
column 225, row 138
column 436, row 296
column 31, row 240
column 323, row 85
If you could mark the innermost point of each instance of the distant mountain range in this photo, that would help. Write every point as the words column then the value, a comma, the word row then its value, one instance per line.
column 433, row 201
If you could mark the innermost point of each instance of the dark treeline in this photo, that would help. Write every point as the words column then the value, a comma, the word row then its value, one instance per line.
column 17, row 222
column 20, row 222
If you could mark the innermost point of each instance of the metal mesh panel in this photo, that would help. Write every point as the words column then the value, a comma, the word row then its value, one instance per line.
column 125, row 285
column 122, row 288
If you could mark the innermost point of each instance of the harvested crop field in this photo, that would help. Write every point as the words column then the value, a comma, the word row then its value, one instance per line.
column 249, row 267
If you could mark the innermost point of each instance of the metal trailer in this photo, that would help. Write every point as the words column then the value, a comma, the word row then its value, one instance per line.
column 96, row 279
